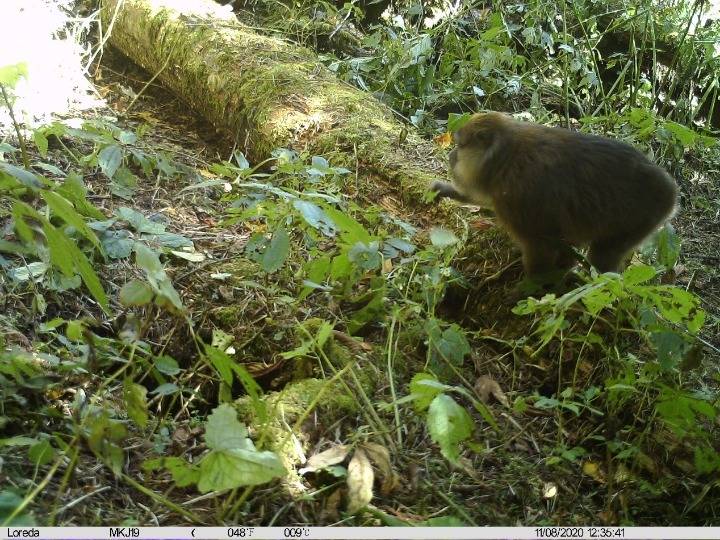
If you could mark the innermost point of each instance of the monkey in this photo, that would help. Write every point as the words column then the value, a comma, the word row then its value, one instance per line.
column 554, row 189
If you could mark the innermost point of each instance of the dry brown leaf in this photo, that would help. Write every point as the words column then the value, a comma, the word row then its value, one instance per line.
column 647, row 463
column 486, row 387
column 149, row 118
column 443, row 140
column 592, row 469
column 331, row 508
column 181, row 435
column 481, row 224
column 326, row 458
column 380, row 457
column 226, row 293
column 608, row 517
column 352, row 343
column 390, row 204
column 359, row 481
column 549, row 490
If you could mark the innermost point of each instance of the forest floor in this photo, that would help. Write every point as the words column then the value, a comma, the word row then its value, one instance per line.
column 526, row 472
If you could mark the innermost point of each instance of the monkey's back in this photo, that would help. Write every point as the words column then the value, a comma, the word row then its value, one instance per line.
column 552, row 182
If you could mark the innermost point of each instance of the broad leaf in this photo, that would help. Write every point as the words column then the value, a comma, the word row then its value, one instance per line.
column 449, row 424
column 277, row 251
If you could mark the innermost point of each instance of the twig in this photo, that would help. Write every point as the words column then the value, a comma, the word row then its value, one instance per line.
column 21, row 139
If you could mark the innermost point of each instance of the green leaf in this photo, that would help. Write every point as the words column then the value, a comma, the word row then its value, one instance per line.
column 135, row 396
column 33, row 270
column 136, row 293
column 148, row 260
column 668, row 246
column 221, row 362
column 11, row 74
column 315, row 217
column 169, row 240
column 41, row 142
column 18, row 440
column 316, row 271
column 229, row 469
column 110, row 158
column 12, row 247
column 117, row 244
column 138, row 221
column 277, row 251
column 167, row 389
column 639, row 273
column 399, row 245
column 233, row 461
column 341, row 268
column 74, row 330
column 124, row 184
column 60, row 256
column 62, row 250
column 424, row 387
column 442, row 238
column 88, row 275
column 26, row 178
column 373, row 312
column 670, row 347
column 9, row 503
column 73, row 189
column 41, row 453
column 223, row 431
column 456, row 121
column 184, row 474
column 366, row 256
column 166, row 365
column 168, row 297
column 104, row 435
column 47, row 167
column 449, row 424
column 253, row 389
column 707, row 460
column 451, row 346
column 684, row 135
column 443, row 521
column 351, row 231
column 64, row 209
column 6, row 148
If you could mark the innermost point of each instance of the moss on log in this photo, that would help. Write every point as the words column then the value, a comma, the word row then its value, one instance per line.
column 269, row 93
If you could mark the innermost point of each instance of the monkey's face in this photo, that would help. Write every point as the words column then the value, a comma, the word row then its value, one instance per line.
column 475, row 144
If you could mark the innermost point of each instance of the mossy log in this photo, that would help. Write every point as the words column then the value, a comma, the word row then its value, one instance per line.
column 268, row 93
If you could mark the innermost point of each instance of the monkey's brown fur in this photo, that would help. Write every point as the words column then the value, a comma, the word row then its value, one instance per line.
column 553, row 188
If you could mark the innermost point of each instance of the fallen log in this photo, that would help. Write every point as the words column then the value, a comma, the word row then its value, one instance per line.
column 268, row 93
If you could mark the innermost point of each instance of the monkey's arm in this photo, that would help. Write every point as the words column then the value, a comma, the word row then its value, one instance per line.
column 445, row 189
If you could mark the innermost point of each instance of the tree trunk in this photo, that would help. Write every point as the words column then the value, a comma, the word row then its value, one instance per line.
column 268, row 93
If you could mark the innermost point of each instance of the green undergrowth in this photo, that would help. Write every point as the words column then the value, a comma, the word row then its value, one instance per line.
column 335, row 331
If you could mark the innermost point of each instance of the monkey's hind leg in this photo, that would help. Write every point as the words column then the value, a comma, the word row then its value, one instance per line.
column 543, row 259
column 540, row 260
column 610, row 255
column 566, row 257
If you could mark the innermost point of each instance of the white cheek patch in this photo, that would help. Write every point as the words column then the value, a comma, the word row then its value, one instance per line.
column 462, row 174
column 466, row 177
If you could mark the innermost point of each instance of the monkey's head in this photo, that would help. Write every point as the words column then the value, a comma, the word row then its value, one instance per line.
column 476, row 143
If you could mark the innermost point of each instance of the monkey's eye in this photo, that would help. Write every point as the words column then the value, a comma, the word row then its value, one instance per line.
column 482, row 138
column 458, row 140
